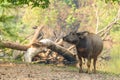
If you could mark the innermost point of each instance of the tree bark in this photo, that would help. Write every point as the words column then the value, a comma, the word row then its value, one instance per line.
column 12, row 45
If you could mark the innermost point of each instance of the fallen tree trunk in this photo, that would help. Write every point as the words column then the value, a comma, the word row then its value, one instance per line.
column 31, row 52
column 37, row 47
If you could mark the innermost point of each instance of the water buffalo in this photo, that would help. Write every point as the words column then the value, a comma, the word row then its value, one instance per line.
column 88, row 45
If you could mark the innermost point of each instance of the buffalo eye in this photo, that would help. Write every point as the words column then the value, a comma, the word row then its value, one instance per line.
column 81, row 37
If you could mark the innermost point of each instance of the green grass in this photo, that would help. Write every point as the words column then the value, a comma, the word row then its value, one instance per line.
column 113, row 66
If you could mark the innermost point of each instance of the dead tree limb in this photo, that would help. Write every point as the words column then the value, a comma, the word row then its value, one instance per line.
column 12, row 45
column 71, row 47
column 107, row 28
column 95, row 7
column 36, row 35
column 103, row 33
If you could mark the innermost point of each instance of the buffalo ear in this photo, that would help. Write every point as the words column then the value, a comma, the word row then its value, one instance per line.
column 85, row 33
column 82, row 35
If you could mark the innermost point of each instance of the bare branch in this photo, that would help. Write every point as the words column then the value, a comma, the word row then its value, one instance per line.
column 71, row 47
column 97, row 16
column 36, row 34
column 104, row 32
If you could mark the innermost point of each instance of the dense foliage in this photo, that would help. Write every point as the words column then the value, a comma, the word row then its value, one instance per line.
column 33, row 3
column 112, row 1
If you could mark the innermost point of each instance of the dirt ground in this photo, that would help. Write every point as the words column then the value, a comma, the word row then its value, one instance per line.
column 12, row 71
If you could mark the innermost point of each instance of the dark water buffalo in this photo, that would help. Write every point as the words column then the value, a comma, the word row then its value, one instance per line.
column 88, row 45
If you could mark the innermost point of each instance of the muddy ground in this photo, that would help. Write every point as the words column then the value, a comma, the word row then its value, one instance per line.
column 21, row 71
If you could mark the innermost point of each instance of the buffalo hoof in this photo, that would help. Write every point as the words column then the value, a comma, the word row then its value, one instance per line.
column 88, row 71
column 80, row 71
column 94, row 71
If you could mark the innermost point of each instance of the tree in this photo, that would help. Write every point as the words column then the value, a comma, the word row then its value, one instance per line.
column 34, row 3
column 10, row 20
column 112, row 1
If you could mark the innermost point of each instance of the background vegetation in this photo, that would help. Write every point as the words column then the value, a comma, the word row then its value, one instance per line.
column 18, row 17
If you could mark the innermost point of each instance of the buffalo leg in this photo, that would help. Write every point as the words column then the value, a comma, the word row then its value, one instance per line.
column 94, row 64
column 88, row 65
column 80, row 65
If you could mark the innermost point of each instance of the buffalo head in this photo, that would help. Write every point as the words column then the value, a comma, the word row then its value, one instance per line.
column 74, row 37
